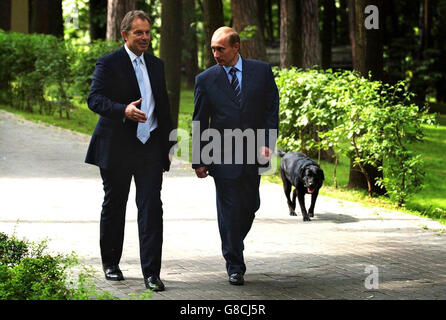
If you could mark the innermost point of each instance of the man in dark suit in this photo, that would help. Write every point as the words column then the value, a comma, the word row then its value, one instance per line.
column 131, row 139
column 235, row 95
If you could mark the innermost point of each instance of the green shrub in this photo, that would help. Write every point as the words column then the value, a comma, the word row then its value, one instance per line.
column 303, row 107
column 18, row 54
column 52, row 67
column 84, row 62
column 12, row 250
column 6, row 72
column 27, row 272
column 46, row 72
column 368, row 121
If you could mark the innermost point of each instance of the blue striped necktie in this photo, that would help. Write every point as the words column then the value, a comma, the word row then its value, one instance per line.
column 235, row 84
column 143, row 131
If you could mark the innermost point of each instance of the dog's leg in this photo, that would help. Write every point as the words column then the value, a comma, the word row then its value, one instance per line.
column 313, row 202
column 301, row 198
column 287, row 189
column 294, row 200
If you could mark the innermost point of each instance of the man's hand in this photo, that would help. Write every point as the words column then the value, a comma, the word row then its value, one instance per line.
column 265, row 153
column 133, row 113
column 201, row 172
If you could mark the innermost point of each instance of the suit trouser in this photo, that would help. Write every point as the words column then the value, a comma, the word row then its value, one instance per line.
column 237, row 201
column 143, row 163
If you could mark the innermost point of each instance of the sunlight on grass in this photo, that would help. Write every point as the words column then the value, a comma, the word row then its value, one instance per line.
column 81, row 120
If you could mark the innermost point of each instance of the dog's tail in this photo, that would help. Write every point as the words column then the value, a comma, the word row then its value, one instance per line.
column 280, row 153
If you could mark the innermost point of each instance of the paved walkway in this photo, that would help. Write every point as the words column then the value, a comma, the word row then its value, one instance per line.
column 48, row 192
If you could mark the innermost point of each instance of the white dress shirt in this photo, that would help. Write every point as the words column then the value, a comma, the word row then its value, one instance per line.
column 151, row 103
column 238, row 66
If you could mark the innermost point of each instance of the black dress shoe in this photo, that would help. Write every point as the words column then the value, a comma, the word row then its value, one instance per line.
column 236, row 279
column 154, row 283
column 113, row 273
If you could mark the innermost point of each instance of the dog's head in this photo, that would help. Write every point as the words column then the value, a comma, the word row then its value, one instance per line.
column 313, row 177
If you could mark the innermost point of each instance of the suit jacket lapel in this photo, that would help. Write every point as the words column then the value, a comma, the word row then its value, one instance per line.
column 222, row 82
column 128, row 71
column 247, row 79
column 150, row 71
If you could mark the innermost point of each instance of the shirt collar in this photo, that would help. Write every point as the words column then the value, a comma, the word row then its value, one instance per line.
column 134, row 56
column 238, row 65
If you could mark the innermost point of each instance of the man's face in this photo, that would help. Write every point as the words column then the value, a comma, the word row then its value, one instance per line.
column 138, row 38
column 224, row 53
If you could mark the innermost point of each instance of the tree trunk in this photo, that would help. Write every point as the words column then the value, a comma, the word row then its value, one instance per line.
column 279, row 13
column 98, row 19
column 352, row 27
column 368, row 55
column 328, row 26
column 425, row 39
column 290, row 37
column 261, row 10
column 269, row 20
column 286, row 19
column 439, row 13
column 396, row 32
column 5, row 15
column 46, row 17
column 425, row 26
column 246, row 13
column 190, row 55
column 311, row 46
column 367, row 51
column 170, row 52
column 342, row 24
column 213, row 19
column 116, row 10
column 145, row 6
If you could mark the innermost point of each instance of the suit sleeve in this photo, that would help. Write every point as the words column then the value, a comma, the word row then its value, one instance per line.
column 201, row 118
column 97, row 99
column 271, row 113
column 166, row 114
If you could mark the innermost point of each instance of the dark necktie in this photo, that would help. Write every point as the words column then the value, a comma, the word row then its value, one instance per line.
column 235, row 84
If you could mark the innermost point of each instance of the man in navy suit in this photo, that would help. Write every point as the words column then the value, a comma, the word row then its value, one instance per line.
column 235, row 95
column 131, row 139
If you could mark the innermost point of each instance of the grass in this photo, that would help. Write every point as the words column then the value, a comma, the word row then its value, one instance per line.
column 186, row 109
column 81, row 118
column 432, row 199
column 430, row 202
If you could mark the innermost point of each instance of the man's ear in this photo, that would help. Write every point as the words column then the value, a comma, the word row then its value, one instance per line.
column 124, row 35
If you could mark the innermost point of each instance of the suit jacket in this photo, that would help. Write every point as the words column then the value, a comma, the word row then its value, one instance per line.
column 113, row 87
column 216, row 107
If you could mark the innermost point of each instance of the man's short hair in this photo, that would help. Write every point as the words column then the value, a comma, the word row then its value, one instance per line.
column 232, row 35
column 233, row 38
column 126, row 23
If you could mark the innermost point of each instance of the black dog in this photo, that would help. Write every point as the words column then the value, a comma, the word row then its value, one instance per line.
column 305, row 175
